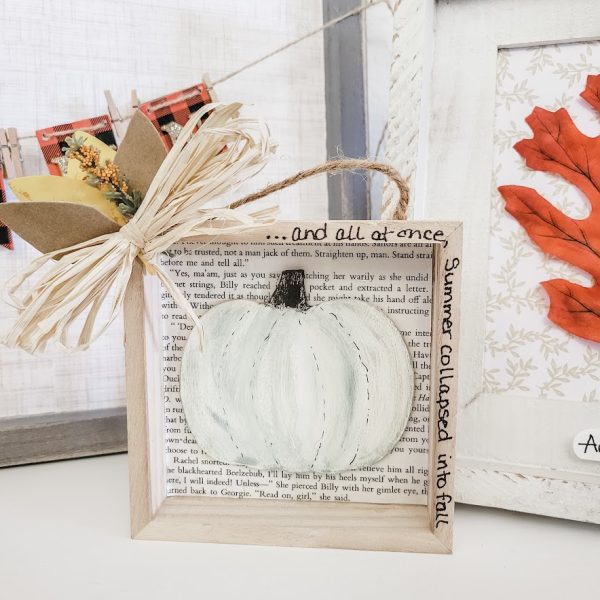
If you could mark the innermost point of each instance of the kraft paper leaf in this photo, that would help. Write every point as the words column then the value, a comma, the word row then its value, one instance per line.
column 57, row 212
column 50, row 188
column 50, row 226
column 141, row 153
column 559, row 147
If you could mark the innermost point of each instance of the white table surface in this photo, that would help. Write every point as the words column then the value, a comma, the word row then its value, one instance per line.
column 64, row 534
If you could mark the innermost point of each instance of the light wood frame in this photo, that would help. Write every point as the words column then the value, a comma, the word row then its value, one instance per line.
column 496, row 467
column 418, row 528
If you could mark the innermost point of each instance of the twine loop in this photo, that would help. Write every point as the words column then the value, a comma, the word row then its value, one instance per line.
column 335, row 166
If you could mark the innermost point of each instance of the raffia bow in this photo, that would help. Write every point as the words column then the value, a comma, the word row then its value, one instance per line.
column 88, row 281
column 203, row 165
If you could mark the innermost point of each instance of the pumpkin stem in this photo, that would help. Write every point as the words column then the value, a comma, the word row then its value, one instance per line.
column 289, row 291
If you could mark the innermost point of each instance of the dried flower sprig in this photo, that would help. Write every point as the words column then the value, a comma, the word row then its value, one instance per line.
column 106, row 177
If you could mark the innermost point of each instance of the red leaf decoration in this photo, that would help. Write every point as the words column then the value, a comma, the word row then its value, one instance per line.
column 577, row 306
column 559, row 147
column 591, row 94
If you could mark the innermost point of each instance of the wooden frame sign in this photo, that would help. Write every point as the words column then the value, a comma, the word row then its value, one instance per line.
column 399, row 279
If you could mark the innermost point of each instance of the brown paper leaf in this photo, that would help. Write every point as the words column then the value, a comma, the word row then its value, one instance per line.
column 50, row 226
column 141, row 153
column 50, row 188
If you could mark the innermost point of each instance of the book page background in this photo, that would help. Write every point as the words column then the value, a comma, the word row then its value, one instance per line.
column 207, row 274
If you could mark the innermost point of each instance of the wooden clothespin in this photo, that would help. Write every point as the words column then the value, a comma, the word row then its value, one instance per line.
column 135, row 100
column 5, row 153
column 209, row 86
column 15, row 151
column 119, row 124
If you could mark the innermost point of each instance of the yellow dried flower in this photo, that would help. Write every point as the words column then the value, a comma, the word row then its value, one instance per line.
column 106, row 177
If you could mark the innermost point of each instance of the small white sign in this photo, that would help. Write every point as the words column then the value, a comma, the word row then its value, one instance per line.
column 586, row 444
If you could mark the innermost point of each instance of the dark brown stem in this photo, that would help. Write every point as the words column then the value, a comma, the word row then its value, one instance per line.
column 289, row 291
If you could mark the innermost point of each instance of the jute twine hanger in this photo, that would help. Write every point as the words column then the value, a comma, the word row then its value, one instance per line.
column 335, row 166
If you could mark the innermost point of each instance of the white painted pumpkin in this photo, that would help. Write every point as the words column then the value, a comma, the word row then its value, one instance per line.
column 287, row 386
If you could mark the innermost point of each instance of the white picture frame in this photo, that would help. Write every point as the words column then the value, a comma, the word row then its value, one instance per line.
column 513, row 453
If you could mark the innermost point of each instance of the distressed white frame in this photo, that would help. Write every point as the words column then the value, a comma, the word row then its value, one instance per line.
column 513, row 452
column 410, row 100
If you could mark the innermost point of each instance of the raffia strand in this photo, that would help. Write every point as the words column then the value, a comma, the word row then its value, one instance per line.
column 62, row 300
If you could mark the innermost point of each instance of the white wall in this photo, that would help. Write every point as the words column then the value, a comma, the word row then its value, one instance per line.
column 56, row 60
column 58, row 57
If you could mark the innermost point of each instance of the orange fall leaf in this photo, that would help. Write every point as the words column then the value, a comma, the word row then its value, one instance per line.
column 559, row 147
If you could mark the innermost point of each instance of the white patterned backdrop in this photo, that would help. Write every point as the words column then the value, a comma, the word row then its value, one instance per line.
column 519, row 333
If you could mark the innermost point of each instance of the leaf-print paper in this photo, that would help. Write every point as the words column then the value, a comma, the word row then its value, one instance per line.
column 526, row 354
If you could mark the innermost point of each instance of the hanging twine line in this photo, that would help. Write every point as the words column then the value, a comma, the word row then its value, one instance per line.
column 331, row 23
column 351, row 13
column 204, row 164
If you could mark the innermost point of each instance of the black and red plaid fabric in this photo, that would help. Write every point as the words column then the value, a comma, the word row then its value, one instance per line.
column 52, row 139
column 175, row 108
column 5, row 233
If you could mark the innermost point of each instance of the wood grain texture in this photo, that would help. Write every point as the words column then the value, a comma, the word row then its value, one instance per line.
column 56, row 436
column 445, row 376
column 412, row 40
column 137, row 422
column 528, row 439
column 511, row 490
column 283, row 523
column 248, row 521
